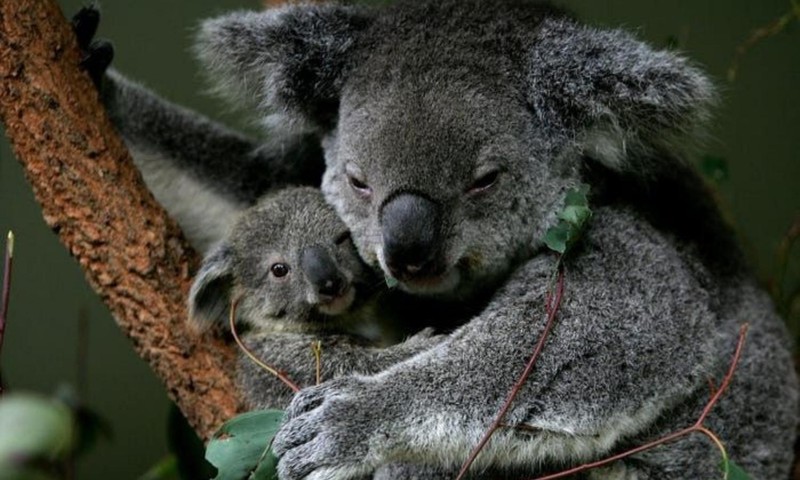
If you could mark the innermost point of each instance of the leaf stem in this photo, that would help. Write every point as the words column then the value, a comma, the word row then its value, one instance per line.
column 698, row 426
column 280, row 375
column 769, row 30
column 725, row 462
column 552, row 302
column 8, row 263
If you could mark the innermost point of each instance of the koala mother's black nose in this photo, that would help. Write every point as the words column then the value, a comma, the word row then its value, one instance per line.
column 322, row 272
column 410, row 229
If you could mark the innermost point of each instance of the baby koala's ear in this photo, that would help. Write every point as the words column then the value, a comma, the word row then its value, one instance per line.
column 210, row 296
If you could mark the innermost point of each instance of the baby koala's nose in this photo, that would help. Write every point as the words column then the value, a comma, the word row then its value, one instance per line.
column 322, row 272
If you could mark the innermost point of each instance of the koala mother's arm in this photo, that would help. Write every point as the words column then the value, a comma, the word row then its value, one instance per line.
column 339, row 355
column 628, row 343
column 201, row 171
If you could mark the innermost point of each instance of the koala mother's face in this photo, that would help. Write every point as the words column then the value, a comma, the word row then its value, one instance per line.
column 429, row 177
column 453, row 128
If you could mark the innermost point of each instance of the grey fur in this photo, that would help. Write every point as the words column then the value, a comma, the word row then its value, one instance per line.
column 284, row 316
column 276, row 231
column 425, row 97
column 204, row 173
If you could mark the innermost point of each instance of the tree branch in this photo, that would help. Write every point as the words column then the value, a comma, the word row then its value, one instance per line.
column 133, row 255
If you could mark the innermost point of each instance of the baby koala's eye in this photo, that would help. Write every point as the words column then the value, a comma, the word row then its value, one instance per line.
column 279, row 269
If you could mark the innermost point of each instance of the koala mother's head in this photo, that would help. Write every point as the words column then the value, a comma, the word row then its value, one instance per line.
column 453, row 128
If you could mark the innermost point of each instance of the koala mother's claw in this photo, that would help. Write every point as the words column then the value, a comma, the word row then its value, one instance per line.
column 84, row 24
column 97, row 54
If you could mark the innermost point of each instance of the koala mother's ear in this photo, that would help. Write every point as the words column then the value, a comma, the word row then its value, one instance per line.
column 628, row 105
column 210, row 295
column 290, row 59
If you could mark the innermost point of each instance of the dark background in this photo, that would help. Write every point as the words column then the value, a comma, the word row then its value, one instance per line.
column 755, row 132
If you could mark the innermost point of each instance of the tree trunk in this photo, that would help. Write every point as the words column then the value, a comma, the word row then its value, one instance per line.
column 91, row 194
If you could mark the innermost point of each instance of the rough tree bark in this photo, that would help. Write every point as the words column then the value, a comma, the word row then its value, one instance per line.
column 133, row 255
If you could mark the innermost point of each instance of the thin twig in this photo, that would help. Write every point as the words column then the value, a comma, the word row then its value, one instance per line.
column 293, row 386
column 782, row 254
column 7, row 264
column 698, row 426
column 4, row 300
column 552, row 302
column 715, row 439
column 771, row 29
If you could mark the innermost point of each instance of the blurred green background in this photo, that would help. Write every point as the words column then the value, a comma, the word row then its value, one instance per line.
column 756, row 132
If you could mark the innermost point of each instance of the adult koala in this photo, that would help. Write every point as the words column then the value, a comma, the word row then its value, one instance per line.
column 451, row 131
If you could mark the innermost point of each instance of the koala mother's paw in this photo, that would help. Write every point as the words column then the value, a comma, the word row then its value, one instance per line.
column 97, row 54
column 329, row 433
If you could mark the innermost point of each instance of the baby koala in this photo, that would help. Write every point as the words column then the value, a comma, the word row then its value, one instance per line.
column 290, row 265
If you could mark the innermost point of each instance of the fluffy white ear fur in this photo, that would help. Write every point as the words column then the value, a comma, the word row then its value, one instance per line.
column 634, row 104
column 210, row 295
column 238, row 54
column 290, row 59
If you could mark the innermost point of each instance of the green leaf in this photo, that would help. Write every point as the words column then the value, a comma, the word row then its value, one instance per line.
column 572, row 220
column 267, row 468
column 238, row 448
column 391, row 282
column 578, row 196
column 165, row 469
column 735, row 472
column 556, row 237
column 34, row 428
column 575, row 215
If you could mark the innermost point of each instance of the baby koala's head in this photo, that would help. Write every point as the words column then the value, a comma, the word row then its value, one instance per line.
column 288, row 260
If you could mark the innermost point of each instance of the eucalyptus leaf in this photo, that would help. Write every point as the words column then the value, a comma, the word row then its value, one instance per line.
column 572, row 220
column 735, row 472
column 575, row 215
column 165, row 469
column 267, row 468
column 238, row 448
column 556, row 238
column 34, row 428
column 578, row 196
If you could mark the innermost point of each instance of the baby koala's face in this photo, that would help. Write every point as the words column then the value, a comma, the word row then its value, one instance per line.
column 293, row 260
